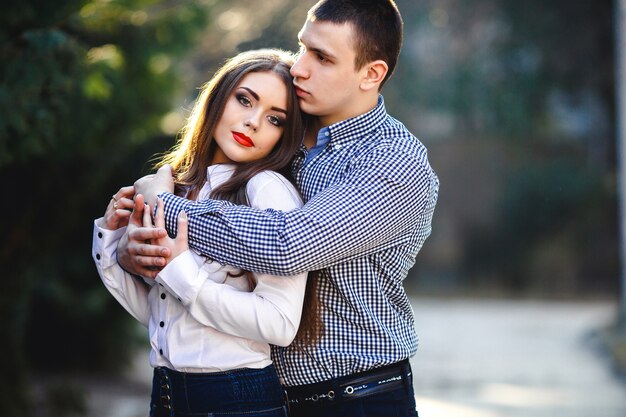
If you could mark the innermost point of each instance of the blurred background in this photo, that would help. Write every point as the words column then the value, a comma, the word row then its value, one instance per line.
column 515, row 101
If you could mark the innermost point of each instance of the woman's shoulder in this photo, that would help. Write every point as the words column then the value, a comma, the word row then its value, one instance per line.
column 269, row 189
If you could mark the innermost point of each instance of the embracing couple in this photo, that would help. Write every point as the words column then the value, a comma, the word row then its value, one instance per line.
column 266, row 255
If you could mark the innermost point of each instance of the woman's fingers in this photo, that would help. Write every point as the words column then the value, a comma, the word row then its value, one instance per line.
column 183, row 223
column 147, row 218
column 159, row 220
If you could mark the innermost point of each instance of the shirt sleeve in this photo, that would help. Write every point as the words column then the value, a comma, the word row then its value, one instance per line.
column 372, row 207
column 130, row 291
column 271, row 313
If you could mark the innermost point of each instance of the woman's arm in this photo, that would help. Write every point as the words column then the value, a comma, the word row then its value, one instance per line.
column 271, row 313
column 130, row 291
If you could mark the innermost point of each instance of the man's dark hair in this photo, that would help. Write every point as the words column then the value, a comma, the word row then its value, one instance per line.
column 377, row 27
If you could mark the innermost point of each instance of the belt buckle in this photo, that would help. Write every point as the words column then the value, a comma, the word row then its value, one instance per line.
column 317, row 397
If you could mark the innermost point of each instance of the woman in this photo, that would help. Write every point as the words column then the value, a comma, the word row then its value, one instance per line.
column 211, row 325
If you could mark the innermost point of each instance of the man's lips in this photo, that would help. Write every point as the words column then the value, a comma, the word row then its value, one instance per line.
column 300, row 92
column 243, row 140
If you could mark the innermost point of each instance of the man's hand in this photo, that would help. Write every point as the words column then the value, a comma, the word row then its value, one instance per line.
column 152, row 185
column 134, row 252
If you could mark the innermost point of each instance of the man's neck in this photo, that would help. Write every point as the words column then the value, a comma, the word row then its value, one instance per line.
column 310, row 136
column 317, row 123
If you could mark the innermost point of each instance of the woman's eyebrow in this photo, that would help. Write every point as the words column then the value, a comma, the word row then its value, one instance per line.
column 256, row 97
column 252, row 92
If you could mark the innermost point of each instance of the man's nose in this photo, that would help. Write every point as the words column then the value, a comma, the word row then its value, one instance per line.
column 298, row 69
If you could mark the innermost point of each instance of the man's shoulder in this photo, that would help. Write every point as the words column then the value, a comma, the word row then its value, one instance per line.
column 393, row 134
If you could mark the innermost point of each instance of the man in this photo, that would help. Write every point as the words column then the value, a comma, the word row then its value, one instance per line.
column 370, row 195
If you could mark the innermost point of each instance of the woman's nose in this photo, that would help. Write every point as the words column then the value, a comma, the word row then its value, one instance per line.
column 251, row 124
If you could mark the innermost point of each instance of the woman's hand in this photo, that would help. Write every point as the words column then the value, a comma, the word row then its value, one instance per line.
column 177, row 245
column 119, row 208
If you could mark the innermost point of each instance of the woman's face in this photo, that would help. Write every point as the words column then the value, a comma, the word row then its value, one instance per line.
column 253, row 119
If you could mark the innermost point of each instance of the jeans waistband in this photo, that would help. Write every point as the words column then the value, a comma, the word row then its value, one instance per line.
column 350, row 387
column 230, row 391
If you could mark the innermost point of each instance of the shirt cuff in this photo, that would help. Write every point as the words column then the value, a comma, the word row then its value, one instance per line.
column 183, row 276
column 175, row 204
column 104, row 245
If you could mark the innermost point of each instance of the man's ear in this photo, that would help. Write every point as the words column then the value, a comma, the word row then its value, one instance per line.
column 373, row 75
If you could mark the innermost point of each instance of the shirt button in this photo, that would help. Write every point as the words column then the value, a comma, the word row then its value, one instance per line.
column 163, row 296
column 326, row 133
column 100, row 235
column 161, row 351
column 162, row 324
column 98, row 256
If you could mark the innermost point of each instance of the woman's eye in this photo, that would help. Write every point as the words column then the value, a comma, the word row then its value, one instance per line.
column 321, row 58
column 276, row 121
column 241, row 98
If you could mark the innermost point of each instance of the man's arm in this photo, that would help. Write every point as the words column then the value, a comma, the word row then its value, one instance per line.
column 375, row 206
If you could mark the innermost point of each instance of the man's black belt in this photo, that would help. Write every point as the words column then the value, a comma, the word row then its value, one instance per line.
column 351, row 387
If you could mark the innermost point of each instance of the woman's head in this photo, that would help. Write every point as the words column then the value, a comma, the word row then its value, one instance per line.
column 250, row 97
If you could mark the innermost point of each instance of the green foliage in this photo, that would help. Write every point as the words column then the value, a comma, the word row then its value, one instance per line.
column 83, row 87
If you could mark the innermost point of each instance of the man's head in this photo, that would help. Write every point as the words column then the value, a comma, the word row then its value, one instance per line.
column 348, row 49
column 377, row 28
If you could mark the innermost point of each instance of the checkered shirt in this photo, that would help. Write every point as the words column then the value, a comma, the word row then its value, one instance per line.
column 370, row 197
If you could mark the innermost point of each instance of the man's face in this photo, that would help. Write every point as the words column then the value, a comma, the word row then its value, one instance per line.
column 326, row 80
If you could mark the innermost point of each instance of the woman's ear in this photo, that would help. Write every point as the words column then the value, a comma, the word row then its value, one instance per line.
column 373, row 74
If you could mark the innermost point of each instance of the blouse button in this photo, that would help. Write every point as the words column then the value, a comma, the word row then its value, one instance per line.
column 98, row 256
column 100, row 235
column 162, row 324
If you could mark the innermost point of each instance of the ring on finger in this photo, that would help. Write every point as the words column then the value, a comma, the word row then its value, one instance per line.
column 113, row 198
column 115, row 205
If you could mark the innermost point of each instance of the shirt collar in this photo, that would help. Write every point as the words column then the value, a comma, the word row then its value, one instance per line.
column 359, row 126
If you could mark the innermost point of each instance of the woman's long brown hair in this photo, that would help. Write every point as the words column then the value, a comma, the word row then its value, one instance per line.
column 194, row 151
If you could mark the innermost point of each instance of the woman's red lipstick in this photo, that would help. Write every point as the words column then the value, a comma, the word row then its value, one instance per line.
column 243, row 140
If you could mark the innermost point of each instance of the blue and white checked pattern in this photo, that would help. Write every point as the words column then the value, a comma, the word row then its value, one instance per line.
column 370, row 197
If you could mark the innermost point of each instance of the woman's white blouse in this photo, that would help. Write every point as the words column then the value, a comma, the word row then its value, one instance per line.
column 200, row 319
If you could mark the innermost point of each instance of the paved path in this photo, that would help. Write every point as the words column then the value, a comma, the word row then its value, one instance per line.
column 513, row 359
column 477, row 358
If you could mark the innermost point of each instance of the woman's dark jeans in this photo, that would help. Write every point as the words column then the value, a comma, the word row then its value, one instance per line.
column 241, row 392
